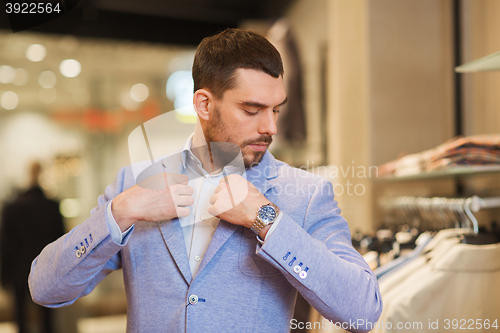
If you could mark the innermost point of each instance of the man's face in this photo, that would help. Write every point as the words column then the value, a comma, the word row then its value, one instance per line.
column 247, row 114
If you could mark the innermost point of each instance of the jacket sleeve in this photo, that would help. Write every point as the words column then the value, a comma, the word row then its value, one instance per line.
column 333, row 277
column 75, row 263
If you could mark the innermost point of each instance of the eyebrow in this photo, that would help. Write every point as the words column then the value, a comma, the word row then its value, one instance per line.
column 260, row 105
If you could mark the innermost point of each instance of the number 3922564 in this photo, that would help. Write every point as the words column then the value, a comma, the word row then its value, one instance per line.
column 32, row 8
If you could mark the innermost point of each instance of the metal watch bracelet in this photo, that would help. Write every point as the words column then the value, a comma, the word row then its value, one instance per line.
column 258, row 225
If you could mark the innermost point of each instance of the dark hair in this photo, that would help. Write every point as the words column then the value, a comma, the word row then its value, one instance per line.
column 218, row 57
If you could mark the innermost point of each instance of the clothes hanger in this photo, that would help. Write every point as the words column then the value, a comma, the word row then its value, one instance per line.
column 476, row 237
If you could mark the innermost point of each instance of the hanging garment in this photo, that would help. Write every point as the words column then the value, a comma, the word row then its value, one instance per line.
column 396, row 264
column 457, row 285
column 440, row 243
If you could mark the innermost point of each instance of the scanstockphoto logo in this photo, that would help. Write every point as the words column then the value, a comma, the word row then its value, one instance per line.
column 24, row 14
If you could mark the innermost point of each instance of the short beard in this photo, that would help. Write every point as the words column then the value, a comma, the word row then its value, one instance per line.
column 216, row 131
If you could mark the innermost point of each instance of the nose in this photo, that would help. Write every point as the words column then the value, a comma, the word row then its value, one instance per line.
column 267, row 122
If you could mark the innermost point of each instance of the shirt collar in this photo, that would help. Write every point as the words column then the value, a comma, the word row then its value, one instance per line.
column 236, row 166
column 186, row 150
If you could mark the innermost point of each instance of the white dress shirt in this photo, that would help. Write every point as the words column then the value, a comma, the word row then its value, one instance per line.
column 199, row 226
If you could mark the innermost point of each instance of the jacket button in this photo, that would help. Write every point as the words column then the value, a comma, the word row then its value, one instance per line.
column 297, row 269
column 303, row 275
column 78, row 254
column 193, row 299
column 83, row 249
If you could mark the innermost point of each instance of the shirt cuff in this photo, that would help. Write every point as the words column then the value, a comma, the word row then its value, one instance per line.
column 273, row 227
column 116, row 233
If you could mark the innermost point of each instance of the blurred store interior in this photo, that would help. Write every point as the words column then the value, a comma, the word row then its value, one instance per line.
column 373, row 81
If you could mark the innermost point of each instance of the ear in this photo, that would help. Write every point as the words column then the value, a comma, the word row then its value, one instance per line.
column 202, row 100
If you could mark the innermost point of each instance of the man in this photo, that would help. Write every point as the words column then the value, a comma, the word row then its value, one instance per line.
column 219, row 249
column 28, row 224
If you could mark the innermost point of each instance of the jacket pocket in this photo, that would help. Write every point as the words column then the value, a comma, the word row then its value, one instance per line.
column 250, row 264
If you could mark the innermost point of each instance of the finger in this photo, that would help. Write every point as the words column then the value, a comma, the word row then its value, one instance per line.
column 223, row 186
column 177, row 178
column 182, row 211
column 211, row 210
column 213, row 199
column 182, row 189
column 184, row 201
column 154, row 182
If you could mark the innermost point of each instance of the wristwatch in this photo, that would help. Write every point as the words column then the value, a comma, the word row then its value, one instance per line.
column 266, row 215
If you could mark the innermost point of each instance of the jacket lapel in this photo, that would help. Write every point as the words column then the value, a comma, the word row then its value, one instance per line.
column 260, row 176
column 171, row 231
column 173, row 237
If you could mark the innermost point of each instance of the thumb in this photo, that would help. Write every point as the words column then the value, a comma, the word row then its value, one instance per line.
column 211, row 210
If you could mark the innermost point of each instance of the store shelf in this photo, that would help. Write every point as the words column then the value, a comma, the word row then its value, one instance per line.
column 489, row 63
column 448, row 173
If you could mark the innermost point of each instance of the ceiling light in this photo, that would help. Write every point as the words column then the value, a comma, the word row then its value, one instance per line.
column 70, row 67
column 9, row 100
column 47, row 79
column 36, row 52
column 7, row 74
column 139, row 92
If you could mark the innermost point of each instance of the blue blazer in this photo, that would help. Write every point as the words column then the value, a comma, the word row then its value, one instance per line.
column 241, row 285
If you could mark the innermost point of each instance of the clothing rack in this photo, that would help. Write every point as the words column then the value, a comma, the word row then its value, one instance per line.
column 464, row 207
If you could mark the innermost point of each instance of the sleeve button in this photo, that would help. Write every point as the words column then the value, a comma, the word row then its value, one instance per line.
column 303, row 275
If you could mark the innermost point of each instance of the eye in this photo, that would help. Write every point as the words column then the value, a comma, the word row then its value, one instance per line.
column 250, row 113
column 276, row 111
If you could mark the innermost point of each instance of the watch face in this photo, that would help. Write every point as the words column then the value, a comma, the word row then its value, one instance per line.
column 267, row 214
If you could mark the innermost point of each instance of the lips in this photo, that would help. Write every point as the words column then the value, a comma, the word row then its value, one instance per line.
column 258, row 146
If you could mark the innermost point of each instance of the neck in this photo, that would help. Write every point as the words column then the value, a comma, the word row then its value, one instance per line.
column 201, row 149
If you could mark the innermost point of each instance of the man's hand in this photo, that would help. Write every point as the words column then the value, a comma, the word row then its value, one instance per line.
column 158, row 198
column 236, row 200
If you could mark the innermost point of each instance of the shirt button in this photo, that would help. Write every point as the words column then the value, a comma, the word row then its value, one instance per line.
column 193, row 299
column 203, row 217
column 303, row 275
column 197, row 258
column 297, row 269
